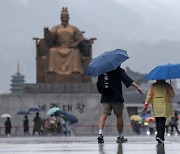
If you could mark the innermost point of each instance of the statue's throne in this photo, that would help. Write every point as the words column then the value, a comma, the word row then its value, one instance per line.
column 42, row 76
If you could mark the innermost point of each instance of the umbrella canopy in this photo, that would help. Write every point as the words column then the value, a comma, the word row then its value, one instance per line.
column 51, row 111
column 71, row 118
column 135, row 118
column 23, row 112
column 163, row 72
column 106, row 62
column 34, row 109
column 144, row 116
column 150, row 118
column 6, row 115
column 177, row 111
column 67, row 116
column 60, row 112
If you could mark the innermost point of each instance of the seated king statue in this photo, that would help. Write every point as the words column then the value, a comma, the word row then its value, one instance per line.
column 63, row 53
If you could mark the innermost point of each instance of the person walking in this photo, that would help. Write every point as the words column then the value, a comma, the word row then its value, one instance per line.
column 26, row 125
column 112, row 99
column 8, row 127
column 160, row 94
column 167, row 125
column 174, row 124
column 62, row 126
column 37, row 124
column 151, row 126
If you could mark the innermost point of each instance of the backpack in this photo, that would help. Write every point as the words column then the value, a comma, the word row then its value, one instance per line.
column 106, row 83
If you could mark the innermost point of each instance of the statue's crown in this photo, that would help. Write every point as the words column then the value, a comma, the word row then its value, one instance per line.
column 64, row 11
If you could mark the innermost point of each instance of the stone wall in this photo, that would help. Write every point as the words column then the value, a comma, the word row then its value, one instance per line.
column 85, row 106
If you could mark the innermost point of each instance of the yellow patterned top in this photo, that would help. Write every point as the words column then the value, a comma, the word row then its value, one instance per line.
column 161, row 95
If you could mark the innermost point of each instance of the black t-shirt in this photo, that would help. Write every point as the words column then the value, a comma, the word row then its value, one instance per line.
column 117, row 96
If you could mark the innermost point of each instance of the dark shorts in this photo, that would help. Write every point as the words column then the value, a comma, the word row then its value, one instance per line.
column 117, row 108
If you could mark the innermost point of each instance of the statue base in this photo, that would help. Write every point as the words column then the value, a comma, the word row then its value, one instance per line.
column 57, row 78
column 60, row 88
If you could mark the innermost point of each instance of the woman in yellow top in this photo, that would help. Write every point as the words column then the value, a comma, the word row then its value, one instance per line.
column 160, row 94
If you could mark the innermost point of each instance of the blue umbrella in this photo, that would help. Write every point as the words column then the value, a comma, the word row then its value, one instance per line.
column 163, row 72
column 177, row 111
column 67, row 116
column 106, row 62
column 53, row 110
column 144, row 116
column 60, row 112
column 71, row 118
column 34, row 109
column 23, row 112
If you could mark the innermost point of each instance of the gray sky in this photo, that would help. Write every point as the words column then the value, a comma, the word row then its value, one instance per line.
column 147, row 29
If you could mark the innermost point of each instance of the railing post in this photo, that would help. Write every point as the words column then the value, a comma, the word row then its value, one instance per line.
column 75, row 130
column 92, row 129
column 16, row 130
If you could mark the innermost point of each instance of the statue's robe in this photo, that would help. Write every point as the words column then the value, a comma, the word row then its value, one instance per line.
column 62, row 58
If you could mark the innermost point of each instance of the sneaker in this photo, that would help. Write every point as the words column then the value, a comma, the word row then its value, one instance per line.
column 159, row 140
column 121, row 139
column 100, row 138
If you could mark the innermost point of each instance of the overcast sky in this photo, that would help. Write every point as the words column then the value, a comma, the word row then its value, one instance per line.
column 147, row 29
column 153, row 11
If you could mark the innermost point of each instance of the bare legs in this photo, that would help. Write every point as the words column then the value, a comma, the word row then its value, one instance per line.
column 103, row 118
column 120, row 124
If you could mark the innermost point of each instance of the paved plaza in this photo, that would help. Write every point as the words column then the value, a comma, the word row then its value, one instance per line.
column 87, row 145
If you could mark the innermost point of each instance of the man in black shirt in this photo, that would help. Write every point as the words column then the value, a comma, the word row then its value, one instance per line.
column 114, row 101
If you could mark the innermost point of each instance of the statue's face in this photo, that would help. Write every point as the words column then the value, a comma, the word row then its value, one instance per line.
column 64, row 19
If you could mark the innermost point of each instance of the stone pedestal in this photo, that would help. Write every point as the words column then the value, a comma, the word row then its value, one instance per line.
column 73, row 78
column 50, row 88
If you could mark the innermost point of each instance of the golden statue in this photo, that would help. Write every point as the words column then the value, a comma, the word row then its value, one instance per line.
column 63, row 52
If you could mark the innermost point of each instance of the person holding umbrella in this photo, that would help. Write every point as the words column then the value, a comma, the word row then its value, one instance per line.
column 26, row 125
column 112, row 99
column 8, row 127
column 174, row 124
column 37, row 124
column 160, row 94
column 110, row 77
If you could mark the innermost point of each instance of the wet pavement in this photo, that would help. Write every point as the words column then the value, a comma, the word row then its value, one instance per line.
column 87, row 145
